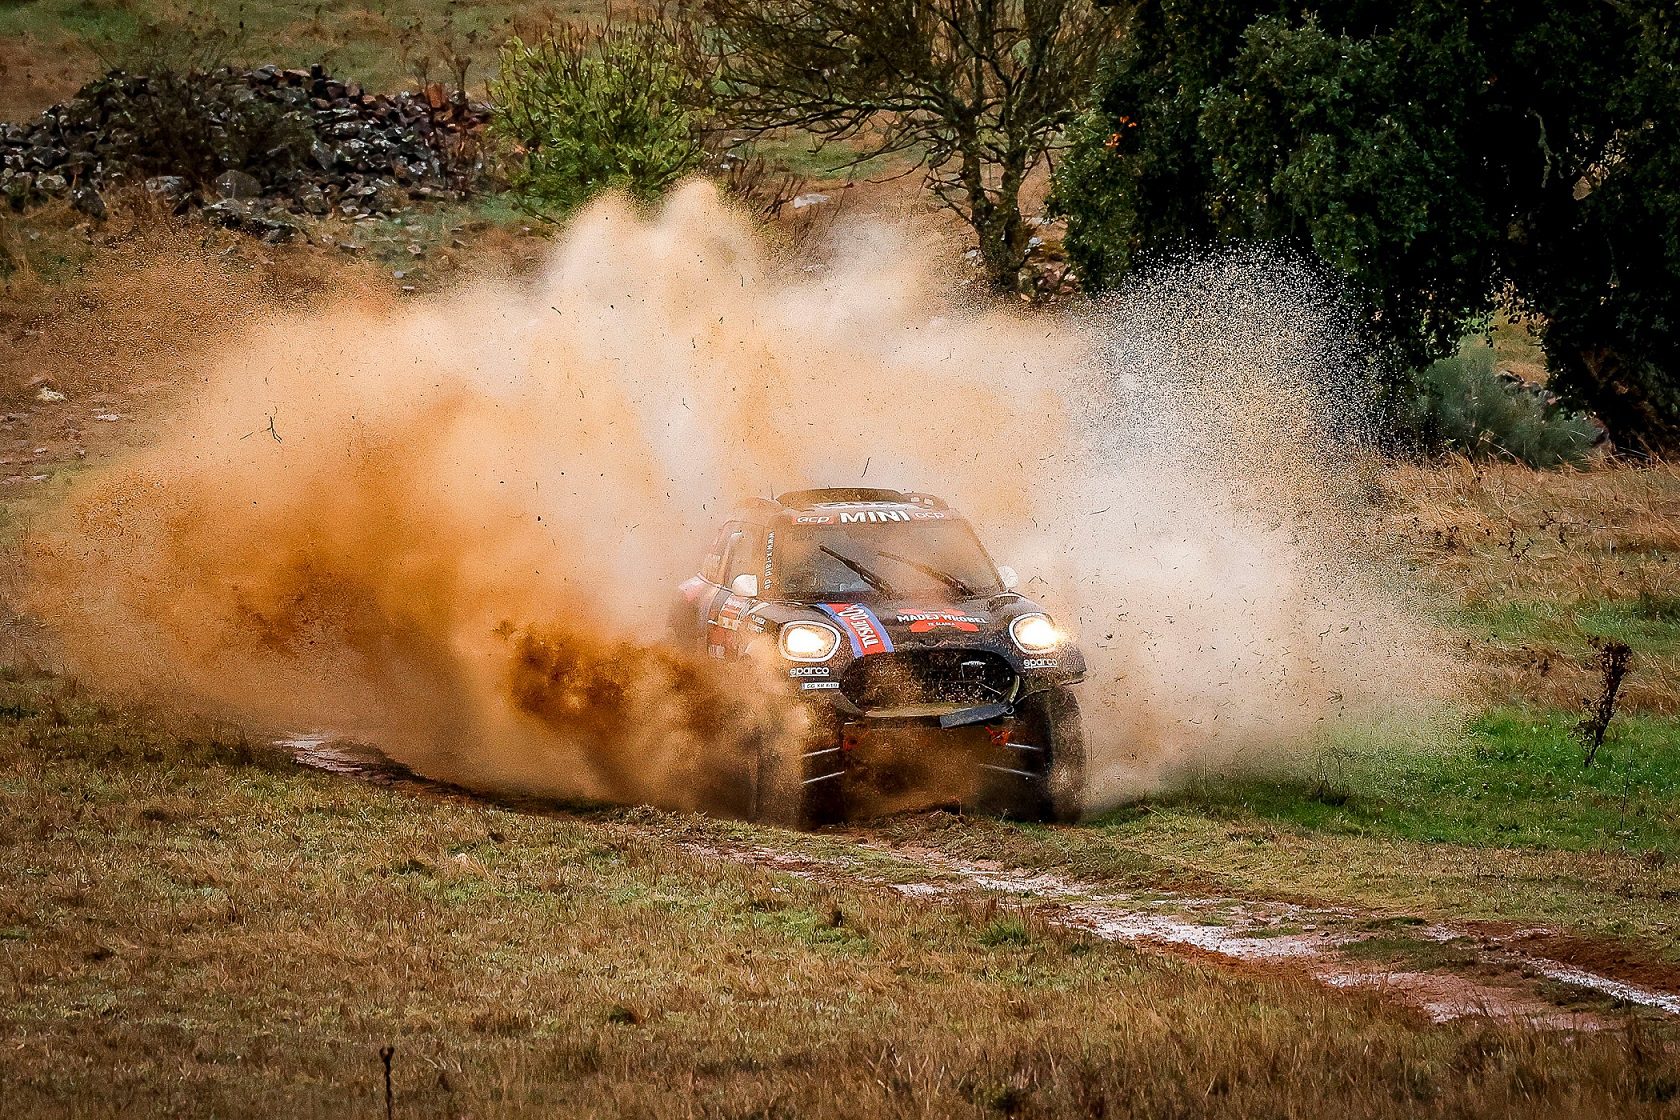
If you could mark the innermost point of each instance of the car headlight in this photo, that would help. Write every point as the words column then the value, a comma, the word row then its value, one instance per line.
column 1035, row 633
column 809, row 641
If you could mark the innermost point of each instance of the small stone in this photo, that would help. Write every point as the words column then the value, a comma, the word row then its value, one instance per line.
column 813, row 199
column 170, row 188
column 88, row 201
column 234, row 213
column 108, row 417
column 313, row 199
column 237, row 184
column 50, row 396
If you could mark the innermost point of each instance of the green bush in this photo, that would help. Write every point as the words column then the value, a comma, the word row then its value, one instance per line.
column 618, row 106
column 1462, row 404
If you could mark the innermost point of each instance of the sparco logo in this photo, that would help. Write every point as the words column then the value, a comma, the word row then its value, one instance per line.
column 808, row 671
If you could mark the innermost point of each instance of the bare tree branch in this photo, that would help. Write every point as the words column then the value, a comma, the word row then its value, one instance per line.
column 981, row 89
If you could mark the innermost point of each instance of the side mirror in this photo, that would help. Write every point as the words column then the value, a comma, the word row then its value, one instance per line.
column 1008, row 576
column 744, row 585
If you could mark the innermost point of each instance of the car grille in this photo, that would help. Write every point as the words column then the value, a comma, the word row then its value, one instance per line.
column 947, row 678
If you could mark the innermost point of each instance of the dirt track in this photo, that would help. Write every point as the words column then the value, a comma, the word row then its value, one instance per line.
column 1474, row 970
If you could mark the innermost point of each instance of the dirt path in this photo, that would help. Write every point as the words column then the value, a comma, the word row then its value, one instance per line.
column 1445, row 970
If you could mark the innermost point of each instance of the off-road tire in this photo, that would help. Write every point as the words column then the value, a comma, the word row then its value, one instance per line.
column 780, row 794
column 1050, row 721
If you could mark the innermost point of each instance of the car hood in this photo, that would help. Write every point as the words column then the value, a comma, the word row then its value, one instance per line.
column 882, row 627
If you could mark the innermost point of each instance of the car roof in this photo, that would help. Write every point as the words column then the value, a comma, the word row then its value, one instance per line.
column 796, row 505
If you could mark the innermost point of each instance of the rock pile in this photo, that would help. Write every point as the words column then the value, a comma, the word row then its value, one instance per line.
column 247, row 146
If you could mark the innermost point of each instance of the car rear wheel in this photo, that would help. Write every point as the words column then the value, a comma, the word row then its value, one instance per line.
column 1050, row 721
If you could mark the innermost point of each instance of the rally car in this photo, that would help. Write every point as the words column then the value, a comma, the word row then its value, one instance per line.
column 924, row 672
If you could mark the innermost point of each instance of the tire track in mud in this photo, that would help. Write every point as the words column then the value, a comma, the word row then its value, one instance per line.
column 1491, row 975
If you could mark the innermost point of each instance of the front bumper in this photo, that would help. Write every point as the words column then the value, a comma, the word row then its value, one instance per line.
column 946, row 687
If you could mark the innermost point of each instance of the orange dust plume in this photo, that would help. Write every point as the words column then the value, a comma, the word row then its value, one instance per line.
column 455, row 527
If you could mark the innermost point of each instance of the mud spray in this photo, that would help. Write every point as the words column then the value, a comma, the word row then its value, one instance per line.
column 454, row 528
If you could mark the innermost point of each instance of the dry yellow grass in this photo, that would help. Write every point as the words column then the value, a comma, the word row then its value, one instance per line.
column 1529, row 564
column 186, row 929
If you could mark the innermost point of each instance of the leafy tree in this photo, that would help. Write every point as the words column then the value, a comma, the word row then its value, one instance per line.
column 619, row 105
column 1440, row 157
column 978, row 90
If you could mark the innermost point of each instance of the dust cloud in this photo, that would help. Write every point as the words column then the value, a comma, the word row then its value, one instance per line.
column 454, row 528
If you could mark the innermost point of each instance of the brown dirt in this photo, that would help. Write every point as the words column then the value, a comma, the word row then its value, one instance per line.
column 35, row 74
column 1497, row 972
column 1627, row 963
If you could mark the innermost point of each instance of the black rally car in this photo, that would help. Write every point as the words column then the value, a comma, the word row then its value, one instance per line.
column 919, row 661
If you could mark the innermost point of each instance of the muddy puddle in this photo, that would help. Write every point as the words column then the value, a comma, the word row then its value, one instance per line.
column 1443, row 970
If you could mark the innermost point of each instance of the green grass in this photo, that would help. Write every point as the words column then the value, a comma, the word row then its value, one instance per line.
column 191, row 926
column 1649, row 622
column 1513, row 778
column 803, row 155
column 378, row 42
column 1401, row 950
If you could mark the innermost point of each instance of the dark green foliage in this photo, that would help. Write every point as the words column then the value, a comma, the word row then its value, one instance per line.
column 1431, row 153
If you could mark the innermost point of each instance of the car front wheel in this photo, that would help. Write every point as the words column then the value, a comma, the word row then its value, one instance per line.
column 1049, row 720
column 799, row 782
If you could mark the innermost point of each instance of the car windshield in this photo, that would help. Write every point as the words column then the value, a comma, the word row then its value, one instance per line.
column 931, row 559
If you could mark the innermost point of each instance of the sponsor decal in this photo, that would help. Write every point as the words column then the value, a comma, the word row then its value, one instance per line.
column 860, row 626
column 769, row 553
column 809, row 671
column 871, row 516
column 920, row 622
column 874, row 516
column 819, row 684
column 1040, row 663
column 729, row 615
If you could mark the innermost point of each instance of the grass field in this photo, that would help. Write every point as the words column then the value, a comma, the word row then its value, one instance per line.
column 50, row 47
column 191, row 924
column 196, row 927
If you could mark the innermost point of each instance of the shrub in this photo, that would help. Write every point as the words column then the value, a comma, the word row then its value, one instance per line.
column 1461, row 404
column 618, row 106
column 172, row 97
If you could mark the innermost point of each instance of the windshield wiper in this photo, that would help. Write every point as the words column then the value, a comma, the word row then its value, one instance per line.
column 953, row 582
column 864, row 573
